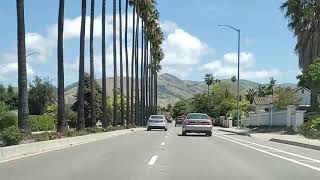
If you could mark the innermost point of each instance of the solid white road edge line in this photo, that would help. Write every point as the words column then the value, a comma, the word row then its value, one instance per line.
column 272, row 154
column 152, row 160
column 276, row 150
column 162, row 144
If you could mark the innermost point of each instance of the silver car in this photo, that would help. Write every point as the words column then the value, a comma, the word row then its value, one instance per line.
column 197, row 123
column 157, row 122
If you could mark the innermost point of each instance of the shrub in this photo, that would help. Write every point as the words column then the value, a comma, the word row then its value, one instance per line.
column 42, row 123
column 311, row 129
column 7, row 120
column 11, row 136
column 315, row 123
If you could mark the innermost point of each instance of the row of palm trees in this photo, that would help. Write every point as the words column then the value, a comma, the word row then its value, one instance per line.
column 141, row 93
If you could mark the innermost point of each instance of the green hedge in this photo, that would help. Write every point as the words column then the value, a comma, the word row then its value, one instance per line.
column 11, row 136
column 41, row 123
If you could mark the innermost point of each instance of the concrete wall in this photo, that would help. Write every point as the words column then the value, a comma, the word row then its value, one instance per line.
column 287, row 118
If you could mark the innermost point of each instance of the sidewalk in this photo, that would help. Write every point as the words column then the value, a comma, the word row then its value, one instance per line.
column 296, row 140
column 242, row 131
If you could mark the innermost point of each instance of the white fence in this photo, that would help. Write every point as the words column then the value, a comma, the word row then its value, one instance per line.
column 288, row 118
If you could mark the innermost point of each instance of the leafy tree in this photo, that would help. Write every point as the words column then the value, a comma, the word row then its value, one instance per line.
column 286, row 97
column 87, row 101
column 311, row 79
column 41, row 94
column 9, row 97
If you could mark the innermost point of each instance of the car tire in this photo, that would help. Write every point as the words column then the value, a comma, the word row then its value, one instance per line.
column 209, row 133
column 184, row 133
column 148, row 129
column 165, row 129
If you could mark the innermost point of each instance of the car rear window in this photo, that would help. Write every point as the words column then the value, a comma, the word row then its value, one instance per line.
column 197, row 116
column 156, row 117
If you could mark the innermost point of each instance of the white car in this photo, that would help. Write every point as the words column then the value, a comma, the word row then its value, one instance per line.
column 157, row 122
column 197, row 123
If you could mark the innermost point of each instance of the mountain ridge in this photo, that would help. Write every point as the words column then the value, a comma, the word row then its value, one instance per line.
column 172, row 89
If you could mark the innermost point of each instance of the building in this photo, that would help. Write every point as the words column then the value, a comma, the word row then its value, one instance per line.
column 264, row 103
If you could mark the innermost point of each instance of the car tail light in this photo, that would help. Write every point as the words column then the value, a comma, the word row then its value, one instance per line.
column 207, row 123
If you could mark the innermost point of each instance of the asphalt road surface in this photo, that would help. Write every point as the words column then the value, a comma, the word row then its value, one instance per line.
column 160, row 155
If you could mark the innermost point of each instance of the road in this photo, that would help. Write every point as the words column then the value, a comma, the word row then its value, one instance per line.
column 160, row 155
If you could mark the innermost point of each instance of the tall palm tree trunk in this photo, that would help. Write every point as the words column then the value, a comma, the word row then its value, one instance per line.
column 156, row 92
column 147, row 80
column 104, row 74
column 132, row 63
column 137, row 70
column 115, row 94
column 62, row 124
column 127, row 63
column 141, row 75
column 92, row 84
column 80, row 122
column 23, row 109
column 121, row 68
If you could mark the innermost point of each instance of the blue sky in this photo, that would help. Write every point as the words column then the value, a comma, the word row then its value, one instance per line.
column 193, row 45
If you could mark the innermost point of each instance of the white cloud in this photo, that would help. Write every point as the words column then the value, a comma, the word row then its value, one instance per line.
column 247, row 59
column 72, row 26
column 11, row 69
column 37, row 43
column 182, row 50
column 227, row 67
column 168, row 26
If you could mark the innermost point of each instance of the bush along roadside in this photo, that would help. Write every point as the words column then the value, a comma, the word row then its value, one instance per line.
column 41, row 123
column 11, row 135
column 311, row 129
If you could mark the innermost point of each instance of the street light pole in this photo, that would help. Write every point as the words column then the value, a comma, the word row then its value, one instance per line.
column 238, row 79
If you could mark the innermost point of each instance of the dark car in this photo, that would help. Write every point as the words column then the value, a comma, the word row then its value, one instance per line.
column 179, row 120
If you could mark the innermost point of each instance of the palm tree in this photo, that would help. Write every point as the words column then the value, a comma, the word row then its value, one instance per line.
column 251, row 93
column 80, row 122
column 141, row 73
column 62, row 124
column 115, row 104
column 23, row 109
column 137, row 68
column 132, row 59
column 121, row 67
column 104, row 74
column 272, row 83
column 209, row 80
column 304, row 21
column 233, row 79
column 92, row 88
column 127, row 61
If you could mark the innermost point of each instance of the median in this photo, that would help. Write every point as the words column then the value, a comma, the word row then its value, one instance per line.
column 18, row 151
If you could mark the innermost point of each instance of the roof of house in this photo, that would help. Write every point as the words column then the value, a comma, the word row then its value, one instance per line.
column 267, row 100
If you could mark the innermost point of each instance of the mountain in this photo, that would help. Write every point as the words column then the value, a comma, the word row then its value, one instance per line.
column 171, row 89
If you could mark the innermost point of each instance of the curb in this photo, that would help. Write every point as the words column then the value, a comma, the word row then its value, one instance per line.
column 24, row 150
column 245, row 132
column 308, row 146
